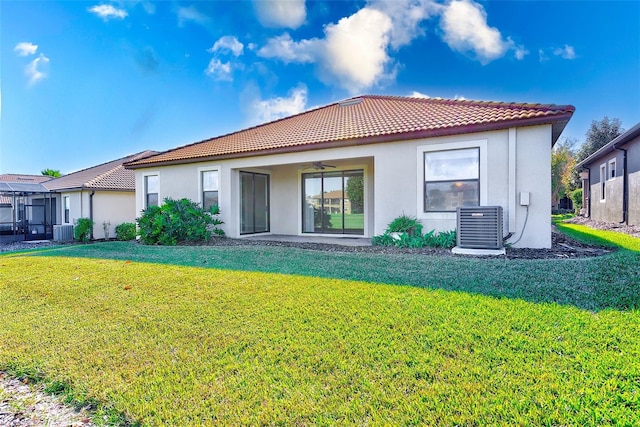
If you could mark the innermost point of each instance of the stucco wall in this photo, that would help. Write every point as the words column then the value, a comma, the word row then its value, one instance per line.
column 633, row 165
column 114, row 207
column 393, row 181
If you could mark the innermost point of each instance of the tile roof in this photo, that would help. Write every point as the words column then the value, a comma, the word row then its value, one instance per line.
column 107, row 176
column 27, row 179
column 366, row 120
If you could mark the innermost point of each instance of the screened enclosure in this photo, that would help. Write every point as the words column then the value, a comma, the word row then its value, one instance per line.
column 27, row 212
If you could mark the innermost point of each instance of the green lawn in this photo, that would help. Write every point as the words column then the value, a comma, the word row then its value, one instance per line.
column 351, row 221
column 277, row 336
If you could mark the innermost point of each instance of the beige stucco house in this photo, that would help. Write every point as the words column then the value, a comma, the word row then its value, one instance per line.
column 611, row 180
column 104, row 193
column 382, row 155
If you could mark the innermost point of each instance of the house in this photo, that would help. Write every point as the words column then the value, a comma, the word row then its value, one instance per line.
column 611, row 180
column 104, row 193
column 386, row 155
column 27, row 209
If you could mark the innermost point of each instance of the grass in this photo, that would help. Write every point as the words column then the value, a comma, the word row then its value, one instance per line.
column 549, row 342
column 351, row 221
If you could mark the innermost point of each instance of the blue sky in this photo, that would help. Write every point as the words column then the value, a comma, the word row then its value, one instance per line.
column 83, row 83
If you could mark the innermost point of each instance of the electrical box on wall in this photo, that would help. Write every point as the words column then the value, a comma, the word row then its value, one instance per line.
column 524, row 198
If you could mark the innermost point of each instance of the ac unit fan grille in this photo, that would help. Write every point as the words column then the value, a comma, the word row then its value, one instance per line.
column 479, row 227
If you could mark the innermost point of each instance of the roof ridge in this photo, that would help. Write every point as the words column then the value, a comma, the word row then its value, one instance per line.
column 98, row 165
column 479, row 102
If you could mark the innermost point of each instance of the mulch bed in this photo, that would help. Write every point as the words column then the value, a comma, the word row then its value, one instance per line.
column 563, row 247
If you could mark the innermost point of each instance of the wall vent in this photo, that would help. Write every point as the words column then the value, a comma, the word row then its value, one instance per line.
column 479, row 227
column 63, row 233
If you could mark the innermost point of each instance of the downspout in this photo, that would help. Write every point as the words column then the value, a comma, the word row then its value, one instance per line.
column 625, row 186
column 91, row 210
column 586, row 192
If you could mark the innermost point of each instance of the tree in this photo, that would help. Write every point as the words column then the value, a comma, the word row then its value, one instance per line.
column 355, row 193
column 54, row 173
column 600, row 133
column 562, row 164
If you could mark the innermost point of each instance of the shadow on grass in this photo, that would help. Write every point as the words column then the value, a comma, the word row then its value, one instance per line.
column 599, row 283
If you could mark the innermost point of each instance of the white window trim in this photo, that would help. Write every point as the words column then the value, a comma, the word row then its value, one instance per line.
column 602, row 182
column 64, row 208
column 213, row 168
column 446, row 146
column 610, row 163
column 144, row 188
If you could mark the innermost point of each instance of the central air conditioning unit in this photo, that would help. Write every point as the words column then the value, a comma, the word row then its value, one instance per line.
column 63, row 233
column 479, row 227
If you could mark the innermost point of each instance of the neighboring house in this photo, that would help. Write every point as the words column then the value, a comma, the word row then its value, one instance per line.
column 611, row 180
column 394, row 155
column 103, row 193
column 27, row 209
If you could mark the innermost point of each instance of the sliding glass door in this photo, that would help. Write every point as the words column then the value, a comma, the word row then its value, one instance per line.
column 254, row 203
column 333, row 202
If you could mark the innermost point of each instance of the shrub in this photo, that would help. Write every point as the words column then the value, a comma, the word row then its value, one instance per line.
column 444, row 239
column 126, row 231
column 576, row 198
column 82, row 229
column 178, row 221
column 405, row 224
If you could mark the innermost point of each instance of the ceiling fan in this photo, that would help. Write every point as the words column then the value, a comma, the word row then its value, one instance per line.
column 317, row 166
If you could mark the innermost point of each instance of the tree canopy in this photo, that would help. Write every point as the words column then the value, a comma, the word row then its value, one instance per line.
column 600, row 133
column 54, row 173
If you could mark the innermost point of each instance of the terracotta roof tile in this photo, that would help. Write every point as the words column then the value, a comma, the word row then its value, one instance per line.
column 27, row 179
column 368, row 119
column 107, row 176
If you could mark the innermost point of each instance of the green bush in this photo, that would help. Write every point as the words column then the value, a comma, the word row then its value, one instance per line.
column 82, row 229
column 126, row 231
column 178, row 221
column 405, row 224
column 576, row 198
column 444, row 239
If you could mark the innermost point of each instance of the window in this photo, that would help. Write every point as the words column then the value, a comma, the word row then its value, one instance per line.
column 451, row 179
column 612, row 168
column 151, row 186
column 603, row 179
column 209, row 189
column 67, row 208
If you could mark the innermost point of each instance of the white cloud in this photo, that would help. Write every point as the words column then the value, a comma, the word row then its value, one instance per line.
column 281, row 13
column 267, row 110
column 287, row 50
column 220, row 71
column 107, row 11
column 352, row 55
column 416, row 94
column 355, row 54
column 228, row 43
column 566, row 52
column 406, row 17
column 466, row 30
column 520, row 52
column 26, row 48
column 542, row 55
column 34, row 70
column 190, row 14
